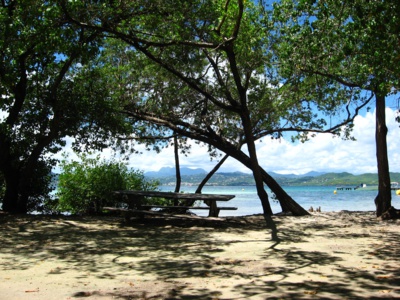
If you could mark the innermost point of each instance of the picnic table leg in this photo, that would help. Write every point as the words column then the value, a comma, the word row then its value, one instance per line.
column 134, row 202
column 127, row 217
column 214, row 210
column 139, row 200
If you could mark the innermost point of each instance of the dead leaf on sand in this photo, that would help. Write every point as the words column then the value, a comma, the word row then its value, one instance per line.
column 313, row 292
column 385, row 291
column 384, row 276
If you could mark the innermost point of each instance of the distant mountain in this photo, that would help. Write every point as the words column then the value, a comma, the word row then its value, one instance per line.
column 169, row 171
column 278, row 175
column 309, row 174
column 236, row 173
column 195, row 176
column 313, row 174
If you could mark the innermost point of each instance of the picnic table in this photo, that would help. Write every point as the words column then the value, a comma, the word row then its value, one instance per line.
column 135, row 201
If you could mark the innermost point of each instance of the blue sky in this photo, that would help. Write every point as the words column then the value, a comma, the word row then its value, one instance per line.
column 324, row 153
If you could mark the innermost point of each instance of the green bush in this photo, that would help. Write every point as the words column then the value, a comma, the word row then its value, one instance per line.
column 88, row 186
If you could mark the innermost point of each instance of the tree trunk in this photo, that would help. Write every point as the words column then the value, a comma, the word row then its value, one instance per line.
column 18, row 178
column 177, row 169
column 210, row 174
column 206, row 179
column 255, row 167
column 11, row 193
column 287, row 203
column 14, row 202
column 383, row 200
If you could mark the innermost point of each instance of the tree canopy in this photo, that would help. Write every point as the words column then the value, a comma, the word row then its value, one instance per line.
column 352, row 44
column 224, row 73
column 208, row 71
column 50, row 88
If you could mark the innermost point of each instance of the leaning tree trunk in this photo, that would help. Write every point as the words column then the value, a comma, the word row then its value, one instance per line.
column 383, row 200
column 287, row 206
column 287, row 203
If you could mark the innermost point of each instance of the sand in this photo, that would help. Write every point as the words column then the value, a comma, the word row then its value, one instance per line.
column 346, row 255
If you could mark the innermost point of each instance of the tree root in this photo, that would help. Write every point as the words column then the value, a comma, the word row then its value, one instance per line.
column 391, row 214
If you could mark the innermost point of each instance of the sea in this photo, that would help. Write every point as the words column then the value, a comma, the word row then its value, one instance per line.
column 328, row 198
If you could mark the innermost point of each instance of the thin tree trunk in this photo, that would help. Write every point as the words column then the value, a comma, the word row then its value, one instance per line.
column 383, row 200
column 255, row 167
column 287, row 206
column 206, row 179
column 177, row 169
column 210, row 174
column 245, row 117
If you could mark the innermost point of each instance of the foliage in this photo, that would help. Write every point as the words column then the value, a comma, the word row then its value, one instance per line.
column 224, row 73
column 351, row 44
column 191, row 63
column 88, row 186
column 208, row 72
column 50, row 88
column 41, row 188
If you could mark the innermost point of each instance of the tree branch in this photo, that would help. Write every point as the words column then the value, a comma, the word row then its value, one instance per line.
column 334, row 77
column 190, row 82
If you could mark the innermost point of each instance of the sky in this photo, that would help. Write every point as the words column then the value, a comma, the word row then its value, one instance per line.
column 323, row 153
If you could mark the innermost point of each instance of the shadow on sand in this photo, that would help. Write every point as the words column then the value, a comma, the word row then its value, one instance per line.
column 174, row 250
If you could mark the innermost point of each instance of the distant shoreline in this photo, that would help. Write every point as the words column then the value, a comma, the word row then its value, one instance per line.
column 243, row 179
column 367, row 188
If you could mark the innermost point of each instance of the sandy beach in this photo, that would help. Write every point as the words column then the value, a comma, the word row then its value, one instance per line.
column 343, row 255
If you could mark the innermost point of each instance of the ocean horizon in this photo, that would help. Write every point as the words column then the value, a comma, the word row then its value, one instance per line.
column 328, row 198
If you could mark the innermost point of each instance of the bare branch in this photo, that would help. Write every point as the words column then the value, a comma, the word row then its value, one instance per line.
column 350, row 118
column 334, row 77
column 190, row 82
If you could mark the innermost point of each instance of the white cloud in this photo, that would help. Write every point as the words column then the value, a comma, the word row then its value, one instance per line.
column 327, row 153
column 323, row 153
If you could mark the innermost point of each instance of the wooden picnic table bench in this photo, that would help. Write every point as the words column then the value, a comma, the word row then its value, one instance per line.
column 135, row 199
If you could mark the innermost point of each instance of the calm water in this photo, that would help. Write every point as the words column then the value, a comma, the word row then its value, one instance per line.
column 247, row 202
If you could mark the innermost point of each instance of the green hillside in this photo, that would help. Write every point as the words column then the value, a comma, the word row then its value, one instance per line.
column 243, row 179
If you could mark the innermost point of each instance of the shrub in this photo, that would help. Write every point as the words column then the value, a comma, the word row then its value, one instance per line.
column 88, row 186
